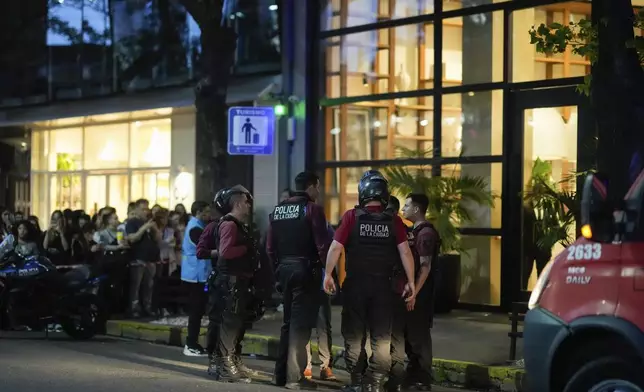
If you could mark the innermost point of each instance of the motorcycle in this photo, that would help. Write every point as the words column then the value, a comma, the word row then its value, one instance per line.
column 33, row 293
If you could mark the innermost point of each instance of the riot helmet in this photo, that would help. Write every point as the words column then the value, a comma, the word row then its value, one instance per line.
column 373, row 186
column 223, row 198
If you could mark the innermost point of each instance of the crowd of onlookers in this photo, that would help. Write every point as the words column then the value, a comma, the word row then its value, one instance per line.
column 144, row 246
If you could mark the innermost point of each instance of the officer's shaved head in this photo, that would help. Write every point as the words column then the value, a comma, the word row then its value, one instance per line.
column 241, row 194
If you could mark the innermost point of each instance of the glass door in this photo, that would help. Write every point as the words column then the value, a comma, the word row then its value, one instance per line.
column 544, row 151
column 153, row 186
column 95, row 193
column 549, row 187
column 118, row 194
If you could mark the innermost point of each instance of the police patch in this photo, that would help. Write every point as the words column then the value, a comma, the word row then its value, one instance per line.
column 287, row 212
column 374, row 230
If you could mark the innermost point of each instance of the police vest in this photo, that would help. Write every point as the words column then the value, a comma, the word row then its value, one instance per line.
column 240, row 266
column 429, row 285
column 411, row 238
column 372, row 249
column 291, row 232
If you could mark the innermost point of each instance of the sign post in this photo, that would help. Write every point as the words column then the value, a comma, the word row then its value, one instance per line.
column 251, row 130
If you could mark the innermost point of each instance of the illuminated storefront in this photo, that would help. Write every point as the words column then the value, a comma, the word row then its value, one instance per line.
column 491, row 108
column 90, row 162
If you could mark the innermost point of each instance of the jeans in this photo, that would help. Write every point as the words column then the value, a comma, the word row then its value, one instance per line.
column 323, row 330
column 142, row 275
column 301, row 288
column 398, row 352
column 418, row 341
column 197, row 303
column 226, row 314
column 367, row 307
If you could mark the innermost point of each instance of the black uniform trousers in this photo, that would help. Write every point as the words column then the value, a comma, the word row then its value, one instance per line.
column 300, row 284
column 197, row 306
column 367, row 307
column 411, row 335
column 227, row 314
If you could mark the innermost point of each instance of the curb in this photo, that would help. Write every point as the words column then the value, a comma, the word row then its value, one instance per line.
column 465, row 374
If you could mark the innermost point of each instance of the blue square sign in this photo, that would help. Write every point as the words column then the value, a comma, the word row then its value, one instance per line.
column 251, row 130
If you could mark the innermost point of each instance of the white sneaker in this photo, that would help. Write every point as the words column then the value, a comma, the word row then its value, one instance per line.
column 194, row 351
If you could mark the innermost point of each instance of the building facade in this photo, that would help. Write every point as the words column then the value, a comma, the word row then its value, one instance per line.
column 452, row 87
column 100, row 99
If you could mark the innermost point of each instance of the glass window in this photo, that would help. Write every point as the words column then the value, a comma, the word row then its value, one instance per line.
column 380, row 61
column 379, row 129
column 65, row 151
column 106, row 146
column 527, row 64
column 472, row 124
column 63, row 38
column 450, row 5
column 481, row 270
column 150, row 143
column 257, row 27
column 473, row 49
column 143, row 34
column 346, row 13
column 153, row 186
column 481, row 180
column 340, row 190
column 66, row 191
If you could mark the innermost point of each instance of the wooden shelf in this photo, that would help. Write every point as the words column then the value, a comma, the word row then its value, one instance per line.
column 370, row 76
column 560, row 60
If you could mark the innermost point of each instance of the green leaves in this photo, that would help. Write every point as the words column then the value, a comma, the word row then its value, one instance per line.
column 451, row 199
column 582, row 39
column 552, row 207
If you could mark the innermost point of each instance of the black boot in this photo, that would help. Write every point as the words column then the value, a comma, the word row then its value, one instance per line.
column 227, row 371
column 356, row 384
column 373, row 383
column 243, row 368
column 214, row 366
column 392, row 385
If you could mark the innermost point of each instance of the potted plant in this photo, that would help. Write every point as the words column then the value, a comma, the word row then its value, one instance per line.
column 550, row 210
column 451, row 201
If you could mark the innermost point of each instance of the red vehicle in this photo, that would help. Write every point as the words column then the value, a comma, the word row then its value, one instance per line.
column 585, row 328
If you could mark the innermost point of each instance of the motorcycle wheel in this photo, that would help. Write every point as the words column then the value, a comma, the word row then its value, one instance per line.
column 85, row 320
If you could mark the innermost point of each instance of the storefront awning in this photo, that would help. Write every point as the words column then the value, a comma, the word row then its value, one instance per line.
column 241, row 90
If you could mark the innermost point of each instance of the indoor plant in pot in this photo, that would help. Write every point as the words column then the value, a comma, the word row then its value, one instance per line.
column 451, row 203
column 550, row 211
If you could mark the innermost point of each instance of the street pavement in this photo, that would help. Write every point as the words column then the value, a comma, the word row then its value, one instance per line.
column 32, row 364
column 460, row 335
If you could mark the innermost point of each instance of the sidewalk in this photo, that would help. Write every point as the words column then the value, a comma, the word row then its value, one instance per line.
column 461, row 336
column 470, row 349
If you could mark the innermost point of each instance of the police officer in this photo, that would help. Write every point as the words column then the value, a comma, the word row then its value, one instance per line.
column 298, row 241
column 374, row 240
column 229, row 285
column 413, row 320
